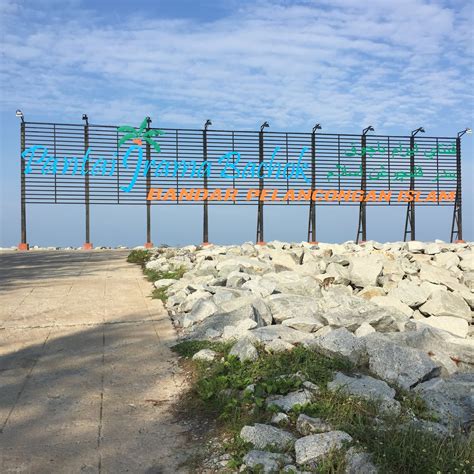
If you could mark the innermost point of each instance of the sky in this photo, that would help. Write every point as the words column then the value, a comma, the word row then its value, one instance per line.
column 345, row 64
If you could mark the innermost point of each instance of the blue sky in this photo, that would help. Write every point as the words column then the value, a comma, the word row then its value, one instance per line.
column 346, row 64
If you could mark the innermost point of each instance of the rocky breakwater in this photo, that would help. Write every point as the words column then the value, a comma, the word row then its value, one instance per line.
column 401, row 312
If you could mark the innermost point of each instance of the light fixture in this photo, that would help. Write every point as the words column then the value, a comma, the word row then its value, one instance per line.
column 368, row 129
column 316, row 127
column 208, row 122
column 19, row 114
column 264, row 125
column 85, row 118
column 466, row 130
column 414, row 132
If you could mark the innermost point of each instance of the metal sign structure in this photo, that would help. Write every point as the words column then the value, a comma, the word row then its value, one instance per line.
column 87, row 164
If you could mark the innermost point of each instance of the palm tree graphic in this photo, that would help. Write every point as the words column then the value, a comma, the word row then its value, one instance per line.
column 139, row 136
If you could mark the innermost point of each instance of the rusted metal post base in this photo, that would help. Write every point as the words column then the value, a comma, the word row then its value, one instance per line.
column 261, row 242
column 313, row 242
column 148, row 245
column 206, row 244
column 23, row 247
column 87, row 246
column 460, row 241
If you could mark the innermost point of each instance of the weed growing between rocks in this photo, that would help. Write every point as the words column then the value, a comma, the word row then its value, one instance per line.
column 139, row 256
column 240, row 393
column 155, row 275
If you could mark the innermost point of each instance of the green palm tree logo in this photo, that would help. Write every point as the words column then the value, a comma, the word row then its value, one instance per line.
column 140, row 135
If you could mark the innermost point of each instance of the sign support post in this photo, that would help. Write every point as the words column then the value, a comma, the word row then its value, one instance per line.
column 87, row 244
column 23, row 245
column 260, row 237
column 205, row 217
column 362, row 227
column 148, row 243
column 410, row 217
column 312, row 205
column 456, row 227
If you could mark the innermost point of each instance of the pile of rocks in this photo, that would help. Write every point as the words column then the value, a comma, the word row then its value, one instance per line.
column 402, row 310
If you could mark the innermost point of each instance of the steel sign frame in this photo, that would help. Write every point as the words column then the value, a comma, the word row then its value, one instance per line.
column 336, row 163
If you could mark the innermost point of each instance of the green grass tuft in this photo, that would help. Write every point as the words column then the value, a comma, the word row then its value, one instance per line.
column 159, row 294
column 154, row 275
column 219, row 391
column 139, row 256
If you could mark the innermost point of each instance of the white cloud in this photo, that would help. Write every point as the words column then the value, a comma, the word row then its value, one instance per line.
column 345, row 64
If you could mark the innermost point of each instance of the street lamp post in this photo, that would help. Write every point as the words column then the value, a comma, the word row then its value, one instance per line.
column 312, row 206
column 362, row 227
column 205, row 227
column 456, row 227
column 260, row 236
column 23, row 245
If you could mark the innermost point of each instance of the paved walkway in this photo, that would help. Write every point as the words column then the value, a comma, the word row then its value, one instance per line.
column 86, row 374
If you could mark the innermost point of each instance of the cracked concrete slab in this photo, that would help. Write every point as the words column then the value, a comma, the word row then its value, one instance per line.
column 88, row 379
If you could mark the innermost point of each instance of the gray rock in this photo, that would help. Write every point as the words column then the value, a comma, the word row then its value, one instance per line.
column 244, row 350
column 339, row 274
column 278, row 345
column 265, row 462
column 164, row 282
column 398, row 364
column 222, row 295
column 259, row 286
column 218, row 321
column 307, row 425
column 191, row 299
column 201, row 310
column 370, row 292
column 358, row 462
column 467, row 261
column 409, row 293
column 435, row 341
column 432, row 249
column 446, row 260
column 280, row 419
column 289, row 401
column 284, row 306
column 289, row 283
column 392, row 302
column 437, row 275
column 456, row 326
column 237, row 279
column 414, row 246
column 350, row 312
column 432, row 427
column 293, row 336
column 304, row 323
column 445, row 303
column 367, row 387
column 266, row 436
column 363, row 330
column 340, row 343
column 313, row 448
column 364, row 271
column 207, row 355
column 449, row 398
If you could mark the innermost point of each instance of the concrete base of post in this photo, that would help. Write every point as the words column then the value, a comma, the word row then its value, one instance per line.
column 87, row 246
column 206, row 244
column 313, row 242
column 460, row 241
column 261, row 243
column 23, row 247
column 148, row 245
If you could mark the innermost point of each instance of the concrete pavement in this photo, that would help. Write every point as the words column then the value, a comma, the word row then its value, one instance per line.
column 86, row 374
